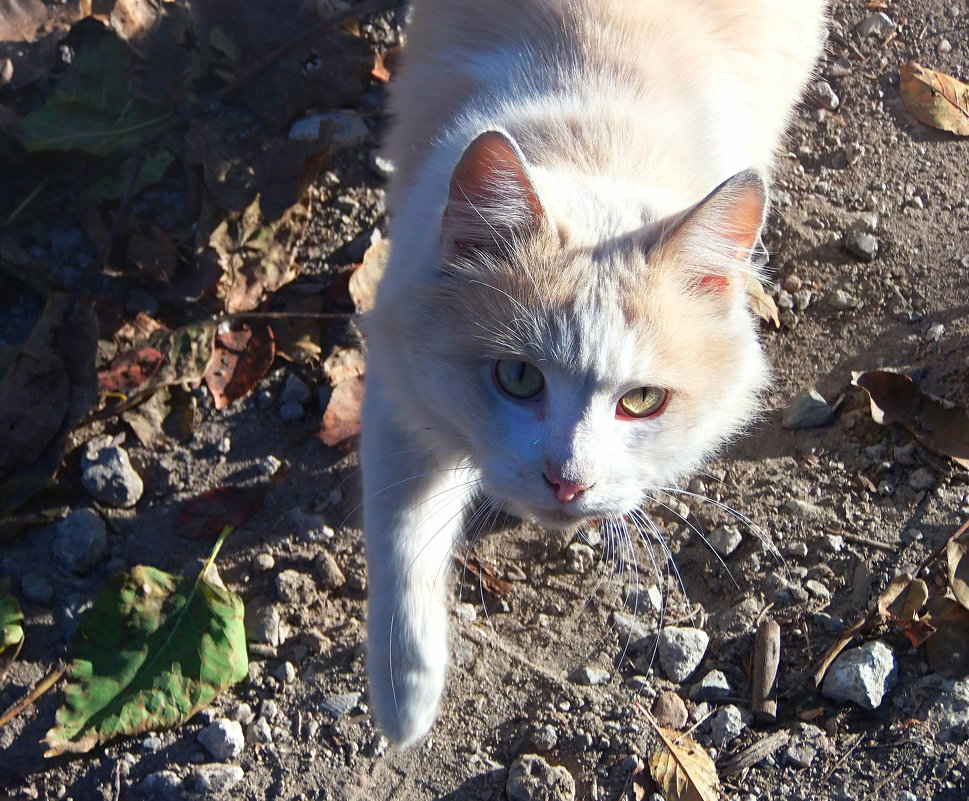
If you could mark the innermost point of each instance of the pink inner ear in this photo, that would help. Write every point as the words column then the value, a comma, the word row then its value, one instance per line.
column 714, row 283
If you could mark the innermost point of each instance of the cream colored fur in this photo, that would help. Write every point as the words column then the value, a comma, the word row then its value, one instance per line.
column 624, row 115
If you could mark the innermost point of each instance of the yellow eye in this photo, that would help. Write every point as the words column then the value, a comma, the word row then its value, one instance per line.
column 520, row 380
column 642, row 402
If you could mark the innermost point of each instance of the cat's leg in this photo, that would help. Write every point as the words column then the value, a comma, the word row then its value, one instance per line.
column 413, row 513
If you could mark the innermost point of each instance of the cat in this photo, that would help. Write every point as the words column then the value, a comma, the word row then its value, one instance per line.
column 562, row 327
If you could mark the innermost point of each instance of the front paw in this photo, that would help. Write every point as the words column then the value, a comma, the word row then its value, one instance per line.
column 405, row 694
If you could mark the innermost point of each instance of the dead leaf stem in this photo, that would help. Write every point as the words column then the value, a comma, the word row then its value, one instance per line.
column 42, row 687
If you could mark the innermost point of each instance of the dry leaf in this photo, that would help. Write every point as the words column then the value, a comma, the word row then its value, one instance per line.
column 937, row 99
column 761, row 303
column 364, row 279
column 205, row 515
column 341, row 420
column 895, row 398
column 683, row 771
column 487, row 576
column 343, row 364
column 948, row 649
column 241, row 358
column 958, row 570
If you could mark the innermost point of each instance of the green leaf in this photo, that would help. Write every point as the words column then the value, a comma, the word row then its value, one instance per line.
column 114, row 184
column 11, row 630
column 154, row 651
column 94, row 108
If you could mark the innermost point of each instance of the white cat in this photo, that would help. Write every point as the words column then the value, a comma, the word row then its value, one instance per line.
column 562, row 326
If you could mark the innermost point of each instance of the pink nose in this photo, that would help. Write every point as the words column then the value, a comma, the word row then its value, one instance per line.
column 565, row 491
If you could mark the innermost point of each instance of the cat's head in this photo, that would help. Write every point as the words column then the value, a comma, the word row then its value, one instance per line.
column 577, row 377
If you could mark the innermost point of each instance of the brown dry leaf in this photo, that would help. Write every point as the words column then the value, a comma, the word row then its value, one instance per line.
column 682, row 770
column 761, row 303
column 130, row 370
column 241, row 358
column 385, row 63
column 205, row 515
column 256, row 257
column 486, row 575
column 302, row 326
column 343, row 364
column 948, row 649
column 937, row 99
column 364, row 279
column 958, row 564
column 896, row 398
column 341, row 420
column 153, row 252
column 900, row 605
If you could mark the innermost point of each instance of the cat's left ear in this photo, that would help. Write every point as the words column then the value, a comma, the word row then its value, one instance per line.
column 491, row 201
column 719, row 236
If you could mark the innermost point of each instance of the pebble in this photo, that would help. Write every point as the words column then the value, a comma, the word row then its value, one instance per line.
column 108, row 477
column 861, row 675
column 805, row 743
column 349, row 131
column 294, row 587
column 728, row 724
column 223, row 739
column 381, row 164
column 725, row 540
column 340, row 704
column 264, row 625
column 310, row 527
column 590, row 676
column 260, row 731
column 263, row 562
column 242, row 712
column 670, row 711
column 36, row 588
column 291, row 412
column 161, row 785
column 935, row 332
column 824, row 96
column 531, row 778
column 214, row 778
column 151, row 743
column 802, row 299
column 714, row 686
column 544, row 738
column 80, row 540
column 879, row 24
column 681, row 649
column 328, row 573
column 295, row 391
column 862, row 245
column 579, row 558
column 947, row 710
column 633, row 633
column 841, row 300
column 921, row 479
column 466, row 612
column 285, row 672
column 807, row 409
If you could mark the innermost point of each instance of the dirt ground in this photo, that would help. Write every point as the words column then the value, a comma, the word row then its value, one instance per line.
column 514, row 685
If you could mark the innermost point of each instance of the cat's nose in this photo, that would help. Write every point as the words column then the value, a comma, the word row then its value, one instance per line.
column 564, row 490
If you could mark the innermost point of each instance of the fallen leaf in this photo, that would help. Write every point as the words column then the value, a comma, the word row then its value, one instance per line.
column 205, row 515
column 364, row 279
column 11, row 618
column 154, row 650
column 241, row 358
column 937, row 99
column 682, row 770
column 958, row 564
column 343, row 364
column 761, row 303
column 948, row 649
column 385, row 64
column 30, row 499
column 487, row 576
column 153, row 252
column 30, row 33
column 896, row 398
column 301, row 327
column 131, row 370
column 341, row 420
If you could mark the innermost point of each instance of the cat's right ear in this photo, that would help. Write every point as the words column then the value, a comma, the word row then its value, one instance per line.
column 491, row 202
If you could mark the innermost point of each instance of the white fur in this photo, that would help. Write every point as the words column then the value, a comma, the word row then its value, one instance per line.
column 625, row 114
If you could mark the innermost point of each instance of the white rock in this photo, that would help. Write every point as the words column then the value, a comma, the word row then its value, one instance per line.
column 725, row 540
column 591, row 676
column 108, row 477
column 214, row 778
column 681, row 649
column 223, row 739
column 861, row 675
column 728, row 724
column 807, row 409
column 579, row 558
column 531, row 778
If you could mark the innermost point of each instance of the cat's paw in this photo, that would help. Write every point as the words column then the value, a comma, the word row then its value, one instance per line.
column 404, row 701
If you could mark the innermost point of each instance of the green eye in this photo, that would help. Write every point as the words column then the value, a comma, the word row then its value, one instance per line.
column 643, row 402
column 520, row 380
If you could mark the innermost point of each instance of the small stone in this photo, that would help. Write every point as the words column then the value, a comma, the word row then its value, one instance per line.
column 633, row 633
column 294, row 390
column 269, row 466
column 590, row 676
column 340, row 704
column 877, row 24
column 817, row 589
column 944, row 47
column 161, row 785
column 531, row 778
column 728, row 724
column 788, row 318
column 579, row 558
column 807, row 409
column 805, row 743
column 921, row 479
column 265, row 625
column 835, row 542
column 36, row 588
column 725, row 540
column 263, row 562
column 294, row 587
column 824, row 97
column 349, row 130
column 841, row 67
column 669, row 710
column 381, row 164
column 861, row 245
column 108, row 477
column 861, row 675
column 328, row 573
column 466, row 612
column 223, row 739
column 260, row 731
column 802, row 299
column 714, row 686
column 242, row 712
column 785, row 300
column 841, row 300
column 793, row 283
column 544, row 738
column 291, row 412
column 214, row 778
column 885, row 488
column 151, row 743
column 80, row 540
column 935, row 332
column 681, row 649
column 286, row 673
column 310, row 527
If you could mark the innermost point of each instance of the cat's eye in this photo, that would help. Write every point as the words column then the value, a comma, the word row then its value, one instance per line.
column 643, row 402
column 520, row 380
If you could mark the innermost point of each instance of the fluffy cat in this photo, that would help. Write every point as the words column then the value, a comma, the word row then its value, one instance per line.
column 562, row 326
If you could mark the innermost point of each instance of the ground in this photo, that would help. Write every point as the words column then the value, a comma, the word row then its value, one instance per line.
column 866, row 165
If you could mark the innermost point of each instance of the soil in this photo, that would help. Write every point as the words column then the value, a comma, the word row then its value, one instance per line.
column 516, row 655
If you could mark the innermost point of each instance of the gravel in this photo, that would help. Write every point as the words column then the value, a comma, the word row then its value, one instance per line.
column 681, row 649
column 214, row 778
column 223, row 739
column 877, row 24
column 80, row 541
column 861, row 675
column 807, row 409
column 108, row 477
column 714, row 686
column 728, row 724
column 579, row 558
column 340, row 704
column 531, row 778
column 725, row 540
column 669, row 710
column 328, row 573
column 861, row 245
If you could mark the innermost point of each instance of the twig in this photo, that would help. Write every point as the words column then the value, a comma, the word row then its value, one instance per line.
column 45, row 684
column 860, row 540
